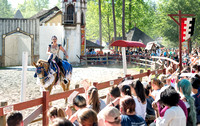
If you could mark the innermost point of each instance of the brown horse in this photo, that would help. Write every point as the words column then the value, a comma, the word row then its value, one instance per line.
column 43, row 67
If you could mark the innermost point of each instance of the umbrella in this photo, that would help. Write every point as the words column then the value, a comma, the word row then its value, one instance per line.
column 124, row 44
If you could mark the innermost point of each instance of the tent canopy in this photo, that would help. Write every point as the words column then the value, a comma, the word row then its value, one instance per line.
column 123, row 43
column 90, row 44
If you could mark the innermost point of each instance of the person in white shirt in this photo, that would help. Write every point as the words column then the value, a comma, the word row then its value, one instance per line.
column 174, row 116
column 139, row 97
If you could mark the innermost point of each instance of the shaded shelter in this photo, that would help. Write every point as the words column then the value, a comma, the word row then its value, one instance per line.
column 90, row 44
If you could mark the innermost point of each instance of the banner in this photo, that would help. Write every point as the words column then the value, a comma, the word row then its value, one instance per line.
column 82, row 42
column 187, row 28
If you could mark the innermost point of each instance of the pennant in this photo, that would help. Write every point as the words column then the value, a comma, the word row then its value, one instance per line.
column 187, row 28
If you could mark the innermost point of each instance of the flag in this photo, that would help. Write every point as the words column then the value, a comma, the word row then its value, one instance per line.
column 187, row 28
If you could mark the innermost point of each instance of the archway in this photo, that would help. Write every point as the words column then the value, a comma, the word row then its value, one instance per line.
column 14, row 43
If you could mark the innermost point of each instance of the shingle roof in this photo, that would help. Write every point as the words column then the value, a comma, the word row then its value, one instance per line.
column 136, row 34
column 42, row 13
column 50, row 16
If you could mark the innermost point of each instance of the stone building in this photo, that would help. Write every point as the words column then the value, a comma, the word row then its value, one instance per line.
column 34, row 34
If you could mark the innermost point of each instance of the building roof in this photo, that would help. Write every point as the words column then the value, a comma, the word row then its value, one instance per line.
column 136, row 34
column 18, row 14
column 44, row 13
column 50, row 16
column 90, row 44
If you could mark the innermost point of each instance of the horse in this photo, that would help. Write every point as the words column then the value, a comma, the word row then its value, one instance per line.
column 48, row 78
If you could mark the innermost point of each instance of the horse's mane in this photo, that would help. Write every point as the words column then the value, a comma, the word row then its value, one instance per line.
column 42, row 61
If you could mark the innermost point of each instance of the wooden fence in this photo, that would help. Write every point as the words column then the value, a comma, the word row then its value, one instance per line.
column 44, row 101
column 147, row 61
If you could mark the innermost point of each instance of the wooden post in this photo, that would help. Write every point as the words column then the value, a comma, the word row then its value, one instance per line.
column 145, row 63
column 180, row 35
column 95, row 84
column 141, row 71
column 86, row 59
column 76, row 86
column 3, row 118
column 107, row 58
column 174, row 67
column 148, row 73
column 164, row 71
column 45, row 108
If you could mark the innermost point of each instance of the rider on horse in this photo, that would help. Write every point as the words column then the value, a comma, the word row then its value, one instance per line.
column 54, row 49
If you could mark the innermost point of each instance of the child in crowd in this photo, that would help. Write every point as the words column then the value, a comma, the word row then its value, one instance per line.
column 149, row 110
column 125, row 90
column 15, row 119
column 87, row 117
column 156, row 85
column 94, row 102
column 55, row 112
column 61, row 122
column 113, row 93
column 139, row 97
column 79, row 103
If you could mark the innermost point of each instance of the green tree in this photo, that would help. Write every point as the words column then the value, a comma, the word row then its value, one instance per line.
column 167, row 27
column 31, row 7
column 6, row 9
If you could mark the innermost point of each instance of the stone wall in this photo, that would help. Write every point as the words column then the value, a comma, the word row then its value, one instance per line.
column 29, row 27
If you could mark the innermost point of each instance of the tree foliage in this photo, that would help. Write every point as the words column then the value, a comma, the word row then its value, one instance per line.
column 142, row 14
column 168, row 29
column 31, row 7
column 6, row 10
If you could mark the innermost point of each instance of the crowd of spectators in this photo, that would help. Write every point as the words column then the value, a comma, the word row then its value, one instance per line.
column 169, row 100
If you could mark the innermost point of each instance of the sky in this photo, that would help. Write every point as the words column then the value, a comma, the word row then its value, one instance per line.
column 15, row 3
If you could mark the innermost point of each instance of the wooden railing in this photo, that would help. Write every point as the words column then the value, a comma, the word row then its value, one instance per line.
column 44, row 101
column 146, row 61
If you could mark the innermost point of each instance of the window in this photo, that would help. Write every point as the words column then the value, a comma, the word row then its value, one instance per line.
column 82, row 19
column 69, row 14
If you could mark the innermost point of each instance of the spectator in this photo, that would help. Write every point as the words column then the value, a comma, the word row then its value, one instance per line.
column 79, row 103
column 15, row 119
column 125, row 90
column 140, row 99
column 196, row 93
column 127, row 109
column 94, row 102
column 185, row 88
column 156, row 85
column 149, row 110
column 174, row 116
column 61, row 122
column 87, row 117
column 55, row 112
column 111, row 116
column 113, row 93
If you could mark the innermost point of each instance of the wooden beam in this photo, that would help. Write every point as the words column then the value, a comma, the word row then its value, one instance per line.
column 33, row 115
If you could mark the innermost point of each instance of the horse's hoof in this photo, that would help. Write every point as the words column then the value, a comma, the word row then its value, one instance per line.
column 66, row 81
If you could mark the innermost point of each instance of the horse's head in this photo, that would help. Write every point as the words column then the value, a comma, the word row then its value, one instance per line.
column 41, row 70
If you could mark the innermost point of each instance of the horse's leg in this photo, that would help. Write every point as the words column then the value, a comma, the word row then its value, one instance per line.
column 64, row 87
